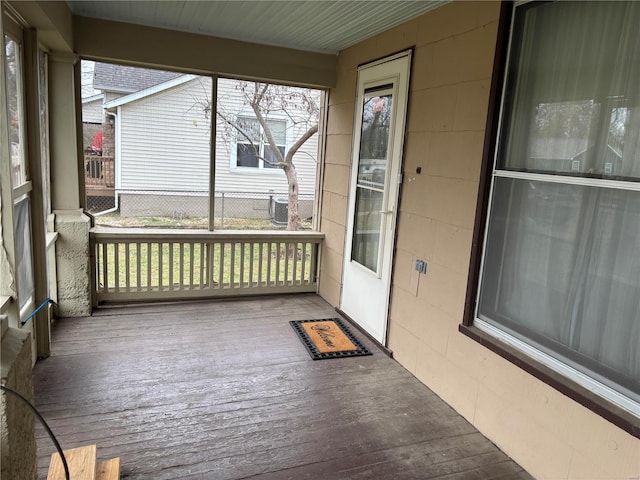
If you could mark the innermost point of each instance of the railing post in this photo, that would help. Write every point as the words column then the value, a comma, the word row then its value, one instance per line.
column 210, row 263
column 222, row 211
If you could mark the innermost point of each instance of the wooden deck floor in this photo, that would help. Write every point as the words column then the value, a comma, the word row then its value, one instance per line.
column 225, row 390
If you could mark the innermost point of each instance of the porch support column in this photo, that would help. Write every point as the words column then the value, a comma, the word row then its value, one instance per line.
column 67, row 189
column 37, row 175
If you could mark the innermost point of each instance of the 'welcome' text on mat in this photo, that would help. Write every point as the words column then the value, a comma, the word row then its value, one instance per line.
column 328, row 338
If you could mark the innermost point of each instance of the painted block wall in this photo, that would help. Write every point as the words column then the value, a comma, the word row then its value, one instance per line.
column 16, row 420
column 550, row 435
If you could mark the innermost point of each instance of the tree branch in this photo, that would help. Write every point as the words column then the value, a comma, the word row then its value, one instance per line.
column 267, row 132
column 235, row 126
column 296, row 146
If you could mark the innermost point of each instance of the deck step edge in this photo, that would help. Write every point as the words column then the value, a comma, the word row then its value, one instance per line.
column 81, row 462
column 109, row 469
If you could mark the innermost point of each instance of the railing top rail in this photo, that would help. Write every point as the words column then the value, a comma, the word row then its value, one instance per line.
column 120, row 234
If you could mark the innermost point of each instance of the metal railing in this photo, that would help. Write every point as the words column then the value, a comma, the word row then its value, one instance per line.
column 144, row 264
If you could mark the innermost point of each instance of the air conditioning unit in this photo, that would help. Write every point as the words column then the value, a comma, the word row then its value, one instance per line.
column 280, row 211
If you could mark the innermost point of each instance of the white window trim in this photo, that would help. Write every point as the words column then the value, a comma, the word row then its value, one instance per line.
column 562, row 368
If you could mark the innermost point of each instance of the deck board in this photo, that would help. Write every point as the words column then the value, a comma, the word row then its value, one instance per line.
column 182, row 391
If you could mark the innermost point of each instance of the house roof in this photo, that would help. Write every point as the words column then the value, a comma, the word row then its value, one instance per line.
column 93, row 98
column 132, row 97
column 564, row 148
column 558, row 148
column 123, row 79
column 325, row 26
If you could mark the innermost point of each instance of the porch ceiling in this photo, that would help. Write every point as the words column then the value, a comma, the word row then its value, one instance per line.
column 319, row 26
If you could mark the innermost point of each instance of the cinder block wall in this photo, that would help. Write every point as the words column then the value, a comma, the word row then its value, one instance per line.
column 549, row 434
column 18, row 460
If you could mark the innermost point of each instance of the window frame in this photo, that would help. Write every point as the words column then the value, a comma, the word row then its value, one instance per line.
column 14, row 33
column 543, row 367
column 22, row 188
column 239, row 140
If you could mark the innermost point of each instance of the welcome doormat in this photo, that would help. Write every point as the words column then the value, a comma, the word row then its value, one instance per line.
column 328, row 338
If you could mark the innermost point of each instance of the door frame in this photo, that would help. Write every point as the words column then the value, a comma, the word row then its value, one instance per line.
column 402, row 92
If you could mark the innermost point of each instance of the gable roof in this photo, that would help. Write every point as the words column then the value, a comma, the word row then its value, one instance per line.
column 93, row 98
column 132, row 97
column 124, row 79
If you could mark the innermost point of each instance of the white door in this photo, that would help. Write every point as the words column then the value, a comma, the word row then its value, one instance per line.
column 381, row 107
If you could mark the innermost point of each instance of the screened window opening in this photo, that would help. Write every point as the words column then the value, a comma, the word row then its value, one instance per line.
column 266, row 155
column 151, row 155
column 15, row 99
column 561, row 268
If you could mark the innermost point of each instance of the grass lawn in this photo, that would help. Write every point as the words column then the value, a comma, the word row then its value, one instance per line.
column 155, row 264
column 115, row 220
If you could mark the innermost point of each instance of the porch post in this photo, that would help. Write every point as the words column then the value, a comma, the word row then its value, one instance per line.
column 72, row 225
column 41, row 328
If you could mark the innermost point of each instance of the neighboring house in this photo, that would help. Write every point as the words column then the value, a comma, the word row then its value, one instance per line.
column 572, row 155
column 92, row 111
column 162, row 147
column 92, row 119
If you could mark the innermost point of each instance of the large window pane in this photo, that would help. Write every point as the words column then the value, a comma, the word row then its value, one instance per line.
column 15, row 101
column 43, row 105
column 573, row 90
column 562, row 269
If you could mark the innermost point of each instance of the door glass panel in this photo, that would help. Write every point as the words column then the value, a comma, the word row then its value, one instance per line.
column 14, row 100
column 366, row 232
column 372, row 173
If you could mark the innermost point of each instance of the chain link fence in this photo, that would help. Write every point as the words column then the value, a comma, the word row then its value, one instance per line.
column 179, row 209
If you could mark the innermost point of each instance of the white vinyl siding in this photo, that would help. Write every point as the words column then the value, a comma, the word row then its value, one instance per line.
column 92, row 111
column 164, row 145
column 230, row 179
column 164, row 141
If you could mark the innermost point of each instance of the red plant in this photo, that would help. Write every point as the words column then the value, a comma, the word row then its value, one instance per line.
column 96, row 142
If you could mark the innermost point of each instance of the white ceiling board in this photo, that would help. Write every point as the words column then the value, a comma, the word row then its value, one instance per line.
column 324, row 26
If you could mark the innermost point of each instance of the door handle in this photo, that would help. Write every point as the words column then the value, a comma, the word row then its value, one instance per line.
column 386, row 212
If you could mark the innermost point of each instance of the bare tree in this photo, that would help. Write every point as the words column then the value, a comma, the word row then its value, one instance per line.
column 300, row 106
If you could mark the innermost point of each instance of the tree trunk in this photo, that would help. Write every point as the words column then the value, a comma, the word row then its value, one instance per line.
column 293, row 220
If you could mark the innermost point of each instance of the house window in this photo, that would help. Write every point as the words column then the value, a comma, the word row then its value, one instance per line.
column 253, row 149
column 15, row 102
column 560, row 275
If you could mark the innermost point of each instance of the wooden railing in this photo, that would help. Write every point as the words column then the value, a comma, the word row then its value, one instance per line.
column 99, row 172
column 145, row 264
